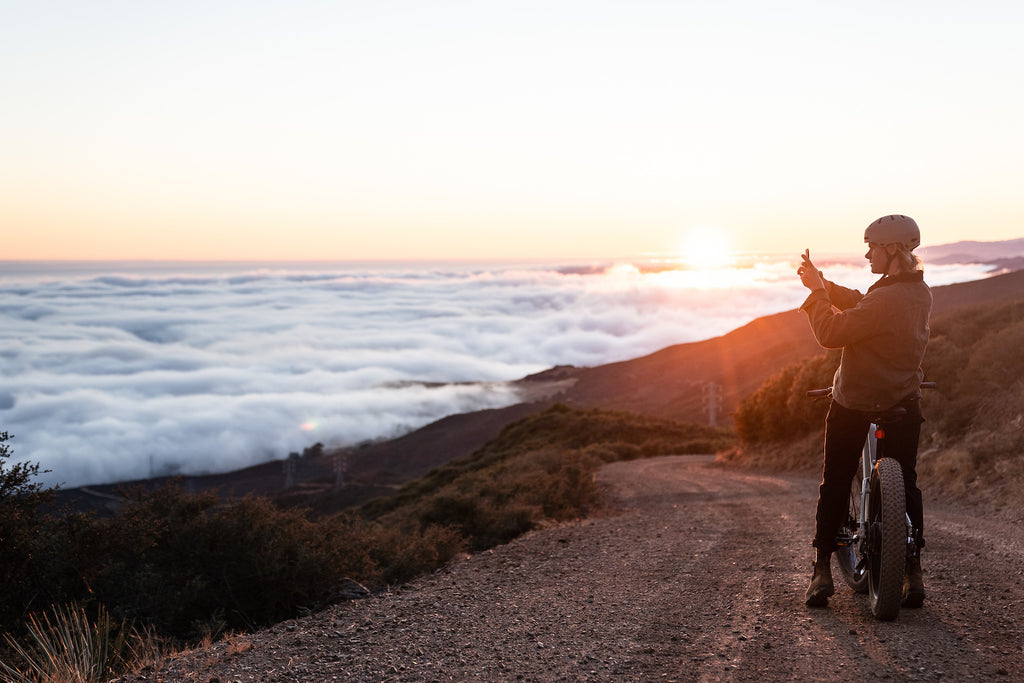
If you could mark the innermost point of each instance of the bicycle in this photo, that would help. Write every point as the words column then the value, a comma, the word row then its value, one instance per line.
column 877, row 538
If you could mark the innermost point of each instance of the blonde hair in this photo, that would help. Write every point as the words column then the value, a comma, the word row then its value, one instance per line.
column 907, row 261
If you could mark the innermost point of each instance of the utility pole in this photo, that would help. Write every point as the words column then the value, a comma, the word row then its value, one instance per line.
column 712, row 402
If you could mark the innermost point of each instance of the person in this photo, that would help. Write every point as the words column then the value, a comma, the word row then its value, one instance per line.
column 883, row 335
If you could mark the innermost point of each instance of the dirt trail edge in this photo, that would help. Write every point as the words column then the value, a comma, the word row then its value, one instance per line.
column 695, row 573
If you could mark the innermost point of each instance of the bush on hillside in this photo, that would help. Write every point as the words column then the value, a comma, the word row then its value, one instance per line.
column 180, row 560
column 980, row 376
column 494, row 505
column 23, row 536
column 780, row 409
column 538, row 468
column 974, row 435
column 623, row 435
column 400, row 554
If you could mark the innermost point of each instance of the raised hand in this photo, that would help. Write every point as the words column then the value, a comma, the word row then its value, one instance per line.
column 810, row 276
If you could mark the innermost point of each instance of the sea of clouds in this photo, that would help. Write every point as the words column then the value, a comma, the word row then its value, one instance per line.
column 114, row 372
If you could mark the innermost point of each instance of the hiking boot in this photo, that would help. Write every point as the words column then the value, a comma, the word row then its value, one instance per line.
column 913, row 584
column 821, row 582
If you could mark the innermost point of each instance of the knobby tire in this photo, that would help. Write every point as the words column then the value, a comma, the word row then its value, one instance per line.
column 888, row 543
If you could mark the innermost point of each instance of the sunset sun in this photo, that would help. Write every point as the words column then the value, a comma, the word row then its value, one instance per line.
column 705, row 249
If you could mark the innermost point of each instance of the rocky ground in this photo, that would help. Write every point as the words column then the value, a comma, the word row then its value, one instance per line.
column 694, row 573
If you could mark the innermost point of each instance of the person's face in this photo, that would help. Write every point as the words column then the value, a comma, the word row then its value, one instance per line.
column 878, row 257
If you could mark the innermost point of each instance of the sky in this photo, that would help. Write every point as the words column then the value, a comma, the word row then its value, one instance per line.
column 401, row 129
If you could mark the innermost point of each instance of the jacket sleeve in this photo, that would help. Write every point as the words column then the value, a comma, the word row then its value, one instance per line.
column 834, row 330
column 842, row 297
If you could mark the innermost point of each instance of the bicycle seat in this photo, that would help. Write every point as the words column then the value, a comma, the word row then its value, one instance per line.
column 887, row 416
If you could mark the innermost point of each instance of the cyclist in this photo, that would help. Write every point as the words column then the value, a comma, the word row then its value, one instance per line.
column 883, row 335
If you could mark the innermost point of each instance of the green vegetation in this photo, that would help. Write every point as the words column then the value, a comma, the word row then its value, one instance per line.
column 973, row 437
column 780, row 410
column 187, row 566
column 23, row 534
column 540, row 467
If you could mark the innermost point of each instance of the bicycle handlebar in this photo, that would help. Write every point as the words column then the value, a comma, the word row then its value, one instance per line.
column 821, row 393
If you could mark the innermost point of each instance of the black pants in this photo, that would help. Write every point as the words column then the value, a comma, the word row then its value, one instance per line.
column 845, row 432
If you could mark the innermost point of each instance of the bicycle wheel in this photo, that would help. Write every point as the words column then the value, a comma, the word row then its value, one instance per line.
column 849, row 552
column 887, row 539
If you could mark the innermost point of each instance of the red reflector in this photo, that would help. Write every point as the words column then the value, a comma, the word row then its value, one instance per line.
column 879, row 433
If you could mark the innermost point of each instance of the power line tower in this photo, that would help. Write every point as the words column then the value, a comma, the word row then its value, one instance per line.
column 712, row 400
column 340, row 469
column 290, row 465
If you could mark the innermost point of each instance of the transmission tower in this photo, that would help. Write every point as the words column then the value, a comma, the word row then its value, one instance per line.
column 712, row 398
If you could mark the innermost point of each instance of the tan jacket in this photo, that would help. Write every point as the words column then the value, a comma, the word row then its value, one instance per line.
column 883, row 335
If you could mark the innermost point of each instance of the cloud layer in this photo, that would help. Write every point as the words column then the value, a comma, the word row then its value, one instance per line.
column 130, row 371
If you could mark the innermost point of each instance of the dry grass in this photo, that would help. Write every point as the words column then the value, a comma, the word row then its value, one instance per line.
column 802, row 454
column 237, row 644
column 984, row 467
column 65, row 645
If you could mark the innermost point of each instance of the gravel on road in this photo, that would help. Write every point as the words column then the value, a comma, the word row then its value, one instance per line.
column 692, row 573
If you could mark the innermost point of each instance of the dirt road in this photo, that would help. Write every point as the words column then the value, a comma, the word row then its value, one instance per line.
column 696, row 573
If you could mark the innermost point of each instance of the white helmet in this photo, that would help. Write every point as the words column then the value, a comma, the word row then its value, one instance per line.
column 894, row 229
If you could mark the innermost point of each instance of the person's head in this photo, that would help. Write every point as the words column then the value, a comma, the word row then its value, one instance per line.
column 891, row 241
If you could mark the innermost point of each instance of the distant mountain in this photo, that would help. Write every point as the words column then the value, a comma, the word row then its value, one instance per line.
column 1007, row 254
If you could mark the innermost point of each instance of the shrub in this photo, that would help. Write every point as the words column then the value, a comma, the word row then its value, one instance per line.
column 23, row 537
column 177, row 559
column 402, row 553
column 780, row 409
column 622, row 434
column 538, row 468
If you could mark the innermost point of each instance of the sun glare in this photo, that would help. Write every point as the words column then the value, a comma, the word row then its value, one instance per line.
column 706, row 249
